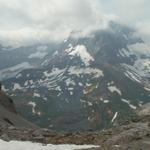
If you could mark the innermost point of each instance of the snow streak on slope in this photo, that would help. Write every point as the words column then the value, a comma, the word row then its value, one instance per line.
column 115, row 116
column 129, row 103
column 91, row 71
column 51, row 79
column 139, row 69
column 16, row 145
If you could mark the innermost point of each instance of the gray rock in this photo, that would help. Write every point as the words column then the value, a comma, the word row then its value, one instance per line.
column 5, row 137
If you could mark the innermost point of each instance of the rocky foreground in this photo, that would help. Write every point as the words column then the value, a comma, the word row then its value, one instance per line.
column 134, row 135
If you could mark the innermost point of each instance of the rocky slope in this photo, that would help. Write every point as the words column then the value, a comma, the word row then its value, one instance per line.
column 133, row 134
column 90, row 82
column 9, row 115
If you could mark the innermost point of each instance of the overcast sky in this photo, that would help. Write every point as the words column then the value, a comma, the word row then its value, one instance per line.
column 40, row 21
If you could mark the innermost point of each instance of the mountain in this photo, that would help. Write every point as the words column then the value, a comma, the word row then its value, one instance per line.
column 9, row 115
column 89, row 82
column 14, row 60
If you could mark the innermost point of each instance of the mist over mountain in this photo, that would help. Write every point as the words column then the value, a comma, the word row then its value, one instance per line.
column 36, row 22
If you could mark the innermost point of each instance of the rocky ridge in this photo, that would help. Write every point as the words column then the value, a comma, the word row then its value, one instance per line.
column 131, row 135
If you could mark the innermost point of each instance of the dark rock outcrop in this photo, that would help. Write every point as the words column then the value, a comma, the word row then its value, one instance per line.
column 8, row 113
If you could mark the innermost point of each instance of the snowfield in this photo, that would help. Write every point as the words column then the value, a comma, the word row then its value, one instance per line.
column 17, row 145
column 80, row 51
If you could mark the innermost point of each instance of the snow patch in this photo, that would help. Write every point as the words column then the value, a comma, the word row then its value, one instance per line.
column 70, row 82
column 36, row 94
column 17, row 87
column 71, row 93
column 58, row 88
column 129, row 103
column 33, row 104
column 113, row 89
column 106, row 101
column 80, row 84
column 147, row 89
column 81, row 52
column 18, row 145
column 89, row 103
column 85, row 71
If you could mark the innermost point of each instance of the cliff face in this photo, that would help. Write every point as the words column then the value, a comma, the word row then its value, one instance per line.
column 7, row 102
column 9, row 115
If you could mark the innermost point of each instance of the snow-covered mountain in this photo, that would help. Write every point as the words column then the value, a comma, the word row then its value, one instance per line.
column 89, row 82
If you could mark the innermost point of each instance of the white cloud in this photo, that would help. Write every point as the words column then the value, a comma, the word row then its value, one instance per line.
column 144, row 31
column 34, row 21
column 129, row 11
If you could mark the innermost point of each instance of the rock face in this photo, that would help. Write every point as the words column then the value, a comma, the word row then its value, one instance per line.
column 145, row 110
column 9, row 115
column 7, row 102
